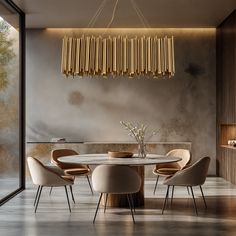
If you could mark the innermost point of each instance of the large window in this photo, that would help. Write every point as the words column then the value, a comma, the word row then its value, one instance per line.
column 11, row 100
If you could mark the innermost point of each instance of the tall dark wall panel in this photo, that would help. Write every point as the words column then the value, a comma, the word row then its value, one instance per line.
column 226, row 97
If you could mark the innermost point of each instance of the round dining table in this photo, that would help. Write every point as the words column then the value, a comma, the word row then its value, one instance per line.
column 138, row 163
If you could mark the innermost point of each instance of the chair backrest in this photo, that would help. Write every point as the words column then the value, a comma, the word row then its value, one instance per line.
column 182, row 153
column 192, row 176
column 55, row 154
column 42, row 176
column 115, row 179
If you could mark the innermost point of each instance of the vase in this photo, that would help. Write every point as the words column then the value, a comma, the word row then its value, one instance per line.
column 142, row 150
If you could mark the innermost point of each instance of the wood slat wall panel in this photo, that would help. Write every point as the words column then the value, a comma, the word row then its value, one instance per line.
column 227, row 163
column 226, row 97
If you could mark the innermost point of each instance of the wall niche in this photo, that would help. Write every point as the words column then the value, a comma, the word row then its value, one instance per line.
column 228, row 135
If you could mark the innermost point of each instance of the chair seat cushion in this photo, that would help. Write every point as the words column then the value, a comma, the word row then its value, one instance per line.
column 77, row 171
column 165, row 171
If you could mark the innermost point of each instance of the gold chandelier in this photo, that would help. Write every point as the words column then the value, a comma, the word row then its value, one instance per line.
column 118, row 55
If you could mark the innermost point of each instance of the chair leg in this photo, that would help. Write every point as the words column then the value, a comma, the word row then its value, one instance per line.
column 173, row 187
column 131, row 210
column 97, row 207
column 68, row 201
column 188, row 190
column 90, row 184
column 155, row 185
column 72, row 195
column 36, row 196
column 105, row 207
column 167, row 193
column 203, row 197
column 194, row 203
column 167, row 200
column 50, row 191
column 37, row 201
column 132, row 202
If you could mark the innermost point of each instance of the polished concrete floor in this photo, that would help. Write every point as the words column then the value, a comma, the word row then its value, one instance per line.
column 17, row 217
column 8, row 185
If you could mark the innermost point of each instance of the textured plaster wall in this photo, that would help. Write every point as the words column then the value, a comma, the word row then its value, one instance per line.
column 89, row 109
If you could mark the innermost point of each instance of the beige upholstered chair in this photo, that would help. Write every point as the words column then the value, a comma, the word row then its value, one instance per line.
column 116, row 179
column 73, row 169
column 46, row 177
column 195, row 175
column 169, row 169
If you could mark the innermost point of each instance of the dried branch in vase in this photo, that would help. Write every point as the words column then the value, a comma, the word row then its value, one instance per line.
column 141, row 134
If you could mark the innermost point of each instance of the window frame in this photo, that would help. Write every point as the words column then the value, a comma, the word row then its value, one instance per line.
column 14, row 7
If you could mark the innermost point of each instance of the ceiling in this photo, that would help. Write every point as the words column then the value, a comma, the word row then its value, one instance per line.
column 157, row 13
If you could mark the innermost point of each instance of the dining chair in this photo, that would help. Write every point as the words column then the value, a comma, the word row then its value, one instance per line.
column 45, row 177
column 116, row 179
column 73, row 169
column 169, row 169
column 195, row 175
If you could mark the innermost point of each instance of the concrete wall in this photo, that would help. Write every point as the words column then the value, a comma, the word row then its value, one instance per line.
column 89, row 109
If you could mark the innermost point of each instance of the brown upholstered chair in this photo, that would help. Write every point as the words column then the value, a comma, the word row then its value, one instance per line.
column 170, row 169
column 73, row 169
column 195, row 175
column 45, row 177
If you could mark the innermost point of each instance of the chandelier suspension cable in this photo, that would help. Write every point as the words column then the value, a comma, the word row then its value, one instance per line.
column 97, row 14
column 139, row 14
column 101, row 7
column 113, row 14
column 137, row 10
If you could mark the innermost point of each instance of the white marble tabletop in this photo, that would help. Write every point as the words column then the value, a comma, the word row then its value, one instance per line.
column 100, row 159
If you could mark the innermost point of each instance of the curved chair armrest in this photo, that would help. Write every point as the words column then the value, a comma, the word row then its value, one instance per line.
column 187, row 166
column 88, row 167
column 57, row 175
column 55, row 169
column 181, row 177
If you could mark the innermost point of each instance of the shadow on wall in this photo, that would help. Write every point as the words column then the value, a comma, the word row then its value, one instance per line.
column 75, row 98
column 195, row 70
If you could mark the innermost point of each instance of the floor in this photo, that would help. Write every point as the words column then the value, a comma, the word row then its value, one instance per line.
column 17, row 217
column 8, row 185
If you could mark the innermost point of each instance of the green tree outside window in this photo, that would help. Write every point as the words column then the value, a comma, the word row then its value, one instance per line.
column 6, row 53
